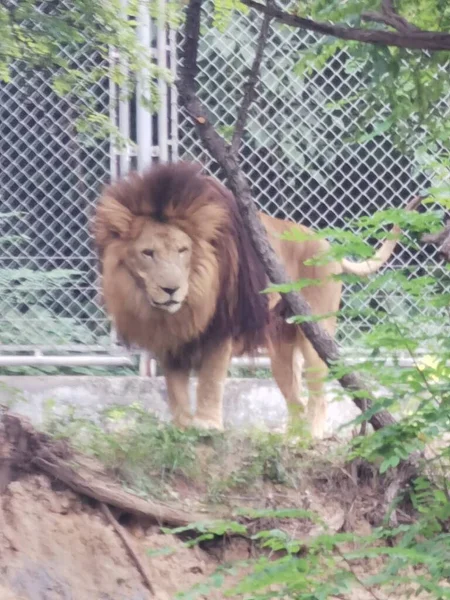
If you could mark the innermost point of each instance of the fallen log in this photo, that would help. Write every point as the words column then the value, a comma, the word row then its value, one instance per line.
column 23, row 448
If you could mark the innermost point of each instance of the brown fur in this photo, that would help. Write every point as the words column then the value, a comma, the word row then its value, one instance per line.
column 219, row 280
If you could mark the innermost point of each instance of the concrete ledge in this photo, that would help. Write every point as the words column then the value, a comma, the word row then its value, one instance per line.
column 247, row 402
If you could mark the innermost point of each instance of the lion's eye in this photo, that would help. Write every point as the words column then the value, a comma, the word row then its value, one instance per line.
column 182, row 250
column 148, row 252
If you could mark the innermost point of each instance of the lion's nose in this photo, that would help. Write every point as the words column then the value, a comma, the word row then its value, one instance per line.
column 169, row 291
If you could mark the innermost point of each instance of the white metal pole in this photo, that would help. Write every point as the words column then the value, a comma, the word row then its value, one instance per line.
column 173, row 95
column 143, row 115
column 123, row 125
column 161, row 53
column 112, row 149
column 112, row 115
column 124, row 107
column 144, row 134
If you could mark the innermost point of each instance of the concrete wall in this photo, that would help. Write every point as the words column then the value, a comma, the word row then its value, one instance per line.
column 247, row 403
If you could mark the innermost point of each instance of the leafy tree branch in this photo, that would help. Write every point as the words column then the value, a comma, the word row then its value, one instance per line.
column 389, row 16
column 250, row 85
column 406, row 36
column 441, row 239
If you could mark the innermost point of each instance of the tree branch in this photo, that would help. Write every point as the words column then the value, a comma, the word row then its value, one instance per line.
column 440, row 239
column 437, row 238
column 413, row 39
column 323, row 343
column 249, row 87
column 390, row 17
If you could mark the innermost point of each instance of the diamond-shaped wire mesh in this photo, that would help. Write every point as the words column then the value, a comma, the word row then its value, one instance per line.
column 48, row 182
column 295, row 153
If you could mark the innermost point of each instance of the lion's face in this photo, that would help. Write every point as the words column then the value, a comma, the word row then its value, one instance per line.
column 161, row 258
column 177, row 264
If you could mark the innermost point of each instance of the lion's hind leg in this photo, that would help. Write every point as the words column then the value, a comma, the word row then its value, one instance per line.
column 289, row 359
column 316, row 372
column 287, row 366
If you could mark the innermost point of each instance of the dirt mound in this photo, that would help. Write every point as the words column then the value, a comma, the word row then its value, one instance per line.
column 69, row 529
column 55, row 546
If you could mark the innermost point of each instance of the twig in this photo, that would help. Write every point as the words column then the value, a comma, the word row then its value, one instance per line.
column 126, row 542
column 400, row 477
column 357, row 578
column 349, row 475
column 249, row 87
column 322, row 342
column 413, row 39
column 363, row 428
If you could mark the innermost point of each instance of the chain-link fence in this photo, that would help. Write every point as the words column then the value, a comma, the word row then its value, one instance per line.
column 295, row 154
column 52, row 171
column 296, row 151
column 48, row 180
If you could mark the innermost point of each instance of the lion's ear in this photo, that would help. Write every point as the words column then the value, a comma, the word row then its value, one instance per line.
column 112, row 220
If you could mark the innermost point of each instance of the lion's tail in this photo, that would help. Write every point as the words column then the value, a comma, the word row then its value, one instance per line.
column 383, row 254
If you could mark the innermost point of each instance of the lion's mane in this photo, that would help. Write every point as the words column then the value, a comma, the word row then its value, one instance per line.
column 207, row 212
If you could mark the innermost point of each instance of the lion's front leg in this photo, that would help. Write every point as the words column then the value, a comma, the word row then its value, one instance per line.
column 178, row 396
column 211, row 382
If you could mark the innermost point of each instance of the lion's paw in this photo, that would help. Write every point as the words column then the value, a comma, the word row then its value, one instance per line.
column 318, row 432
column 206, row 424
column 183, row 421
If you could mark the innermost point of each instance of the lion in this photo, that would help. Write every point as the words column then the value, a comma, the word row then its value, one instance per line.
column 181, row 279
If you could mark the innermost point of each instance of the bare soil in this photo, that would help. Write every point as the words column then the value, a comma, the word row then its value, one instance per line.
column 55, row 546
column 56, row 542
